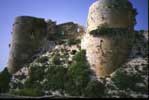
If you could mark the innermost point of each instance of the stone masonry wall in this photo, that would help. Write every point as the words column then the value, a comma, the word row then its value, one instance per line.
column 29, row 35
column 111, row 13
column 32, row 36
column 108, row 51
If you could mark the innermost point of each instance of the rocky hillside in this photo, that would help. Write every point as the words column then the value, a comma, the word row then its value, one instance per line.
column 65, row 72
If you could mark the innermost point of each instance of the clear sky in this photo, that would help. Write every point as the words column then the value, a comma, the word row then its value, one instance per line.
column 57, row 10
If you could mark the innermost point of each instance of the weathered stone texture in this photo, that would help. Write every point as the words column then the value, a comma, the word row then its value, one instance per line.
column 111, row 13
column 107, row 52
column 51, row 30
column 69, row 30
column 27, row 39
column 32, row 36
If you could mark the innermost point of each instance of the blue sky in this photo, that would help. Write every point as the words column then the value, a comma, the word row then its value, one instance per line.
column 57, row 10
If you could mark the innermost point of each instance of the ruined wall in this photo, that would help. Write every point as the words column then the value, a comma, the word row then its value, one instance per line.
column 56, row 32
column 28, row 38
column 69, row 30
column 108, row 51
column 51, row 30
column 32, row 36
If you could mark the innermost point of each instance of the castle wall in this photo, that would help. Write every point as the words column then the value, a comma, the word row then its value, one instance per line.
column 114, row 14
column 32, row 36
column 107, row 51
column 28, row 38
column 51, row 29
column 63, row 31
column 69, row 30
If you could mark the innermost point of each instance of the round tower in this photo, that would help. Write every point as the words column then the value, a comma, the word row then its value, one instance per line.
column 28, row 37
column 111, row 13
column 110, row 26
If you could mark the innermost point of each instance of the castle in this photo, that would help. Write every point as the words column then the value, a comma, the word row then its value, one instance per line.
column 33, row 35
column 104, row 53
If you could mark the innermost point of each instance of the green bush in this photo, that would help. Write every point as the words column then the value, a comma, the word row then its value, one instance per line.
column 109, row 31
column 4, row 80
column 42, row 59
column 27, row 92
column 74, row 80
column 56, row 59
column 124, row 81
column 79, row 72
column 80, row 57
column 36, row 72
column 73, row 41
column 56, row 77
column 94, row 89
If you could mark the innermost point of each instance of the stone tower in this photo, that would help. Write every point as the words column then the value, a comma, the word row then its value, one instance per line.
column 110, row 26
column 28, row 37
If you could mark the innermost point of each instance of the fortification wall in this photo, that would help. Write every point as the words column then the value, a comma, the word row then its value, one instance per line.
column 111, row 13
column 32, row 36
column 106, row 51
column 28, row 38
column 69, row 30
column 51, row 30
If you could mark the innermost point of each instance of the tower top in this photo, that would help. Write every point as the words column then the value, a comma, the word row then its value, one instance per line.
column 111, row 13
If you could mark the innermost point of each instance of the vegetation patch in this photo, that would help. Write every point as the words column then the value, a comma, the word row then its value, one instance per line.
column 51, row 72
column 73, row 41
column 56, row 78
column 27, row 92
column 4, row 80
column 103, row 30
column 51, row 75
column 95, row 89
column 79, row 73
